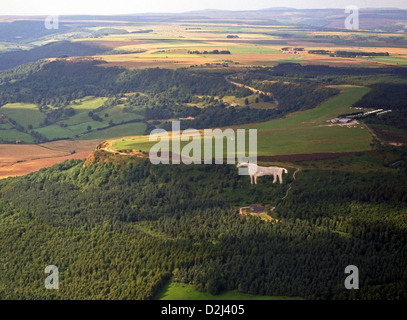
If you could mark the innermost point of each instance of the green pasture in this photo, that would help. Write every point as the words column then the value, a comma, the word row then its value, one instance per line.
column 117, row 114
column 28, row 114
column 252, row 102
column 135, row 128
column 12, row 135
column 310, row 131
column 5, row 126
column 24, row 114
column 82, row 107
column 391, row 60
column 54, row 132
column 181, row 291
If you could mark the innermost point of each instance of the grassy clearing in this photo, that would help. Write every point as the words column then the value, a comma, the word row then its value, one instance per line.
column 28, row 114
column 54, row 132
column 88, row 103
column 116, row 131
column 117, row 114
column 181, row 291
column 263, row 216
column 391, row 60
column 23, row 113
column 82, row 127
column 82, row 108
column 13, row 135
column 5, row 126
column 252, row 102
column 133, row 142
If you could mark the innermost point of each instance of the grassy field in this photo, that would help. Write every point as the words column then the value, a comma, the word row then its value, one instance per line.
column 181, row 291
column 82, row 108
column 252, row 102
column 310, row 131
column 302, row 132
column 5, row 126
column 28, row 114
column 117, row 114
column 13, row 135
column 116, row 131
column 55, row 132
column 23, row 113
column 392, row 60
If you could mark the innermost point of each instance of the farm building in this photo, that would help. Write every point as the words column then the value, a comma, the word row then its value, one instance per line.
column 341, row 120
column 257, row 209
column 344, row 120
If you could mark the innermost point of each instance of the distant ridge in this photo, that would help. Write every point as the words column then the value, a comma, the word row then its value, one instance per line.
column 51, row 50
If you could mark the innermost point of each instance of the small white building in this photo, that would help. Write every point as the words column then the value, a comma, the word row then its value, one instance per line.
column 344, row 120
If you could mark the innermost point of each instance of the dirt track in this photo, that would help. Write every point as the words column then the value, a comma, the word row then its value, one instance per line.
column 252, row 89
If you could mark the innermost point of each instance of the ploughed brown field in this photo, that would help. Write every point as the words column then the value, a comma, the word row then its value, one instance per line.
column 18, row 160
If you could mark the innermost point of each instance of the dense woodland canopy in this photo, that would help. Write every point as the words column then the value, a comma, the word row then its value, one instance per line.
column 121, row 227
column 62, row 81
column 388, row 97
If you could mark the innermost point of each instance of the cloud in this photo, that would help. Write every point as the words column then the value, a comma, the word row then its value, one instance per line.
column 105, row 7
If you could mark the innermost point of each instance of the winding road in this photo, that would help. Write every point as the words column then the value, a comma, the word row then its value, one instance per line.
column 298, row 169
column 270, row 94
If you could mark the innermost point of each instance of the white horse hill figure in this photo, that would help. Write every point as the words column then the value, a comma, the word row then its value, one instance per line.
column 258, row 171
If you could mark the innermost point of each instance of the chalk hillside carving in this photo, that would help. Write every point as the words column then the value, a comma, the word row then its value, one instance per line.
column 256, row 171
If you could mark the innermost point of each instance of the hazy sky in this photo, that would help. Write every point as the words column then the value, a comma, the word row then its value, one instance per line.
column 45, row 7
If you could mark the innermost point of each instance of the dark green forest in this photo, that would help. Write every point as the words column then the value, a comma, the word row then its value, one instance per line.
column 387, row 96
column 119, row 227
column 58, row 82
